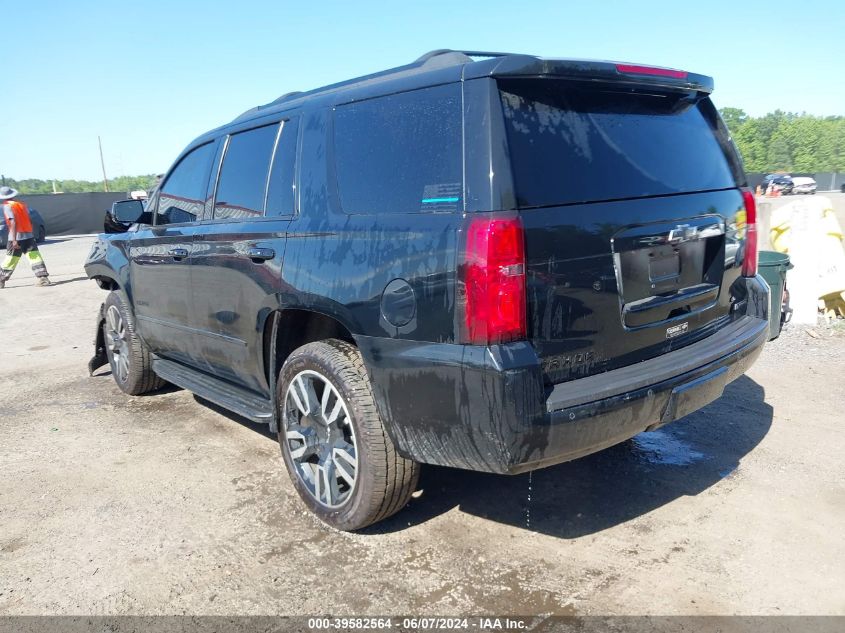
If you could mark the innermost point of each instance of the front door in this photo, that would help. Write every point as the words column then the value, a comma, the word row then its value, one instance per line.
column 160, row 257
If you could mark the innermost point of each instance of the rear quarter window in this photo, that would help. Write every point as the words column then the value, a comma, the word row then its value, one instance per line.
column 401, row 153
column 571, row 143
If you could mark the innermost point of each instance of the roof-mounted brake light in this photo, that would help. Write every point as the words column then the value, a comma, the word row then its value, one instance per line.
column 651, row 70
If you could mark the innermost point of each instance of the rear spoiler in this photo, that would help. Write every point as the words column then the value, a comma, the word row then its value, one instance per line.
column 589, row 70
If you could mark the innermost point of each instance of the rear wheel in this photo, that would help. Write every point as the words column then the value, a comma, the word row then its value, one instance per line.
column 342, row 462
column 129, row 358
column 42, row 234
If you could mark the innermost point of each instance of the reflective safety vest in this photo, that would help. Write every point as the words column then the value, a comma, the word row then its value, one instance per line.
column 22, row 222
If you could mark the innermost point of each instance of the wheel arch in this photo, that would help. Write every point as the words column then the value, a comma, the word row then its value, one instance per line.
column 286, row 329
column 106, row 282
column 295, row 327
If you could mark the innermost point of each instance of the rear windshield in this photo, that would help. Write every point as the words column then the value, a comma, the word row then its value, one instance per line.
column 572, row 143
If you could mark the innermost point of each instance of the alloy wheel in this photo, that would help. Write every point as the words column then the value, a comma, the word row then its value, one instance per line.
column 117, row 343
column 320, row 439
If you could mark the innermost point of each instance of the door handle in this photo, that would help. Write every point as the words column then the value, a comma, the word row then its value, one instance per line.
column 179, row 253
column 262, row 254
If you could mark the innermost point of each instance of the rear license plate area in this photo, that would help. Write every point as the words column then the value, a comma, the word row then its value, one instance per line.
column 665, row 270
column 663, row 266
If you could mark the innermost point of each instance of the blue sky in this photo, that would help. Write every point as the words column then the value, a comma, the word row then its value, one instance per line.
column 149, row 77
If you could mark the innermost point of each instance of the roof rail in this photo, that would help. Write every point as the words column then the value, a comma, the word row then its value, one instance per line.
column 287, row 96
column 436, row 57
column 443, row 51
column 432, row 60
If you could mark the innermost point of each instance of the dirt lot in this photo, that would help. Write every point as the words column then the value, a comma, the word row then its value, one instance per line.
column 164, row 504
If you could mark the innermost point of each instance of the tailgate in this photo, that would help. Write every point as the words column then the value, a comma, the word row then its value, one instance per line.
column 633, row 220
column 617, row 283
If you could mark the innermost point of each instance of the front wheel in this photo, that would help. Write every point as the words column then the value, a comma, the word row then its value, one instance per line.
column 129, row 358
column 342, row 462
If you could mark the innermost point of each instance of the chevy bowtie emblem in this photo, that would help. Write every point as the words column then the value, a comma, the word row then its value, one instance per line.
column 682, row 233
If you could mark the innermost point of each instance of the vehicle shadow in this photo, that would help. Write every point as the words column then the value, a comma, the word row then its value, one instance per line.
column 55, row 240
column 68, row 281
column 259, row 427
column 104, row 371
column 605, row 489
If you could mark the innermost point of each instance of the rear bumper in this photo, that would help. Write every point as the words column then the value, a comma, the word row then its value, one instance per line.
column 488, row 409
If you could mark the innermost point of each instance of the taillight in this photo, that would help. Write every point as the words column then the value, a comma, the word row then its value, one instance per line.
column 494, row 278
column 632, row 69
column 749, row 262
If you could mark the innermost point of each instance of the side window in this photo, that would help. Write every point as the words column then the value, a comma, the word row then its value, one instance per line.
column 281, row 187
column 182, row 196
column 243, row 176
column 401, row 153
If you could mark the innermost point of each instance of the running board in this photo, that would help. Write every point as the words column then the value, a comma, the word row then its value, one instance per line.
column 245, row 403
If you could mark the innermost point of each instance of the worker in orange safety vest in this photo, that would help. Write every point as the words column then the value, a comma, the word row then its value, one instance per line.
column 21, row 239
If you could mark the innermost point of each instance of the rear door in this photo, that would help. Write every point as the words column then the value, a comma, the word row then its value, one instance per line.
column 160, row 257
column 239, row 251
column 633, row 220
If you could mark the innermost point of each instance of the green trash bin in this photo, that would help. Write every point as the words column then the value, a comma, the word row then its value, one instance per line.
column 773, row 267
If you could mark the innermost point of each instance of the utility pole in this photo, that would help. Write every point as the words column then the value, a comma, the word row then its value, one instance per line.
column 103, row 164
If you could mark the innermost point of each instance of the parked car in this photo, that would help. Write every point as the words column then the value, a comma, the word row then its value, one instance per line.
column 38, row 226
column 430, row 265
column 803, row 184
column 781, row 182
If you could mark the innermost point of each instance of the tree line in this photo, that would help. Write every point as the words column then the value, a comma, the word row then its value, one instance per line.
column 121, row 183
column 788, row 142
column 778, row 141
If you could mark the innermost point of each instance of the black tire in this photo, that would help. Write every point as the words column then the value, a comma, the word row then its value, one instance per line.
column 383, row 480
column 134, row 376
column 42, row 234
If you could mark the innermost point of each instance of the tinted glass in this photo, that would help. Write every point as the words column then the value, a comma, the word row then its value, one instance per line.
column 280, row 198
column 402, row 153
column 243, row 177
column 182, row 196
column 570, row 143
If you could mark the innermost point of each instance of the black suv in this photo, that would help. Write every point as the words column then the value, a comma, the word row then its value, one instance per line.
column 487, row 261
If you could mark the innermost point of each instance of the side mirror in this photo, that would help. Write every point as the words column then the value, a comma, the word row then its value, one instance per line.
column 127, row 211
column 123, row 214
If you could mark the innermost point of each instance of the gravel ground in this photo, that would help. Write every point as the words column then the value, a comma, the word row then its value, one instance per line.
column 166, row 504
